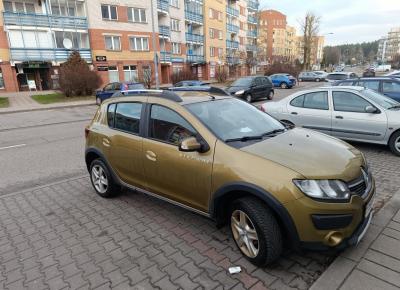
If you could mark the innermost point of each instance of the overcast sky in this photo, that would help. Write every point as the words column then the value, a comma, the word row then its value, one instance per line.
column 351, row 21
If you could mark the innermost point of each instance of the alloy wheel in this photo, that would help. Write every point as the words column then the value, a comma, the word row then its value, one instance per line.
column 244, row 233
column 99, row 179
column 397, row 144
column 248, row 98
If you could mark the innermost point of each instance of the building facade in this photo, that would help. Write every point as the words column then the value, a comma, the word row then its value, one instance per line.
column 123, row 40
column 389, row 46
column 317, row 50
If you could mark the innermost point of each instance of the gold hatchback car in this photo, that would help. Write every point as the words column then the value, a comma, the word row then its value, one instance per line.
column 223, row 158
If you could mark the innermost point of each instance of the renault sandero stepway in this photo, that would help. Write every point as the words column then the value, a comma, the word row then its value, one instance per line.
column 223, row 158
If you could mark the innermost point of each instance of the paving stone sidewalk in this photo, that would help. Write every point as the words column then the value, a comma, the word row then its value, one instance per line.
column 64, row 236
column 375, row 263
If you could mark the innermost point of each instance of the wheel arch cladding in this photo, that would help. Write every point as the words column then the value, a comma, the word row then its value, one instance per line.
column 231, row 191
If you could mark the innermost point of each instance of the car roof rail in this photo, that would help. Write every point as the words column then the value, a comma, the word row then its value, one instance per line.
column 150, row 93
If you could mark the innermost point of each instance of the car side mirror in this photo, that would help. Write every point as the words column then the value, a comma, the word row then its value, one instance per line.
column 371, row 109
column 189, row 144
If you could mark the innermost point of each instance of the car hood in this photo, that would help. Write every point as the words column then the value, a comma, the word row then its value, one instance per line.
column 314, row 155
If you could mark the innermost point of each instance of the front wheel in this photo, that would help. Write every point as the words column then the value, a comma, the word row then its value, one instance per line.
column 98, row 101
column 102, row 181
column 249, row 98
column 283, row 85
column 255, row 231
column 317, row 80
column 394, row 143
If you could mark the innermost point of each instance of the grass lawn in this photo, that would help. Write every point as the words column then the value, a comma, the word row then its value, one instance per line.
column 59, row 97
column 4, row 102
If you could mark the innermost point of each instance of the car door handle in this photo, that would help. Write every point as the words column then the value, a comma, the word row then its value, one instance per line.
column 106, row 142
column 151, row 155
column 293, row 113
column 339, row 117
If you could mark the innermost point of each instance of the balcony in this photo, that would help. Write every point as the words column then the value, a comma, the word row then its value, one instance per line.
column 252, row 5
column 232, row 60
column 195, row 58
column 195, row 1
column 46, row 54
column 251, row 47
column 165, row 56
column 252, row 33
column 251, row 19
column 194, row 17
column 162, row 6
column 232, row 28
column 194, row 38
column 164, row 31
column 43, row 20
column 232, row 11
column 231, row 44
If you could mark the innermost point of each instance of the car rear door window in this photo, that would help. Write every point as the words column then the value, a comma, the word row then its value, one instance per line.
column 127, row 117
column 168, row 126
column 373, row 85
column 391, row 87
column 349, row 102
column 111, row 114
column 298, row 102
column 316, row 100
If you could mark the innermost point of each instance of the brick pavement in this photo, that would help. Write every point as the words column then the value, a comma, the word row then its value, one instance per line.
column 64, row 236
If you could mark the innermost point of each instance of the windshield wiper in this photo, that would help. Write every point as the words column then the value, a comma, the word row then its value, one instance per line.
column 256, row 137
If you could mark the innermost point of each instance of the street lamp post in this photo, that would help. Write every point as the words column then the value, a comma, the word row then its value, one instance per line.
column 154, row 45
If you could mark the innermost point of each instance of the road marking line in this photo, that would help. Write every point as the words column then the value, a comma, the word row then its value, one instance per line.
column 13, row 146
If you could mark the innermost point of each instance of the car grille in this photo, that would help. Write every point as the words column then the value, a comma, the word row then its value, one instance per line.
column 361, row 184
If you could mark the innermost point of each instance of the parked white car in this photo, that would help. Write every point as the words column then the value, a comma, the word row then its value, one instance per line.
column 349, row 113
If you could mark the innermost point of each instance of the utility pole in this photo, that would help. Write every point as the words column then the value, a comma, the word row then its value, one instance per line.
column 154, row 44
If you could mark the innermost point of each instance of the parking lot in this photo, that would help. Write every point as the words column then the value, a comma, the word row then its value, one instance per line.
column 56, row 233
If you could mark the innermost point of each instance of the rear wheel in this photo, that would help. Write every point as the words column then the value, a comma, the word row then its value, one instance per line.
column 270, row 95
column 249, row 98
column 102, row 181
column 283, row 85
column 394, row 143
column 255, row 231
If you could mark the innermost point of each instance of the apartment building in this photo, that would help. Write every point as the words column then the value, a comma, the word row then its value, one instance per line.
column 36, row 37
column 389, row 45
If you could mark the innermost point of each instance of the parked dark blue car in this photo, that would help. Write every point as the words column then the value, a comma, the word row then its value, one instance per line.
column 284, row 81
column 112, row 88
column 388, row 86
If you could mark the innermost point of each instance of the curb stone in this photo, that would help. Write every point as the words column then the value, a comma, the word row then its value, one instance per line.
column 336, row 274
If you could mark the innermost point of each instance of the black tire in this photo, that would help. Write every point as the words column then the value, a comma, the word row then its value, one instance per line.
column 268, row 231
column 248, row 98
column 283, row 85
column 270, row 95
column 317, row 80
column 395, row 139
column 112, row 188
column 300, row 80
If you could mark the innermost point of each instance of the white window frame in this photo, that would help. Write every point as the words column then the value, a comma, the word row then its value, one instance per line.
column 175, row 24
column 212, row 35
column 112, row 42
column 212, row 51
column 140, row 20
column 131, row 72
column 109, row 12
column 174, row 3
column 135, row 41
column 176, row 48
column 113, row 70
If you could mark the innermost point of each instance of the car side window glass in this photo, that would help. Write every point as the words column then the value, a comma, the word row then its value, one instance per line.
column 259, row 81
column 391, row 87
column 373, row 85
column 349, row 102
column 127, row 117
column 117, row 86
column 316, row 100
column 343, row 84
column 267, row 81
column 110, row 115
column 168, row 126
column 108, row 87
column 298, row 102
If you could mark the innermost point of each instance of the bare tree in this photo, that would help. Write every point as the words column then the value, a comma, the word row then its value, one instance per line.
column 310, row 27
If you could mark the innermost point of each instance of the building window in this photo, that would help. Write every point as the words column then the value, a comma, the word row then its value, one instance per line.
column 113, row 74
column 220, row 52
column 139, row 43
column 137, row 15
column 113, row 42
column 1, row 80
column 212, row 51
column 175, row 24
column 109, row 12
column 219, row 34
column 176, row 48
column 130, row 73
column 212, row 33
column 174, row 3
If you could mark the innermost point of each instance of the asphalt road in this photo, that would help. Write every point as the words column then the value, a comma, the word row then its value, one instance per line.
column 42, row 146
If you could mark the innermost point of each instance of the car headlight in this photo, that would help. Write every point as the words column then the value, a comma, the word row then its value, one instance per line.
column 324, row 189
column 238, row 93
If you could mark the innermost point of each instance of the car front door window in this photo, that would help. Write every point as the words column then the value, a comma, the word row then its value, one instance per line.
column 168, row 126
column 391, row 87
column 349, row 102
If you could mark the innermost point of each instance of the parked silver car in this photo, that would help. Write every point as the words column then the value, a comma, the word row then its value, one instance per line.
column 349, row 113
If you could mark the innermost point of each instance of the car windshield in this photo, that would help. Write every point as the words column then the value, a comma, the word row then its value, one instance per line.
column 242, row 82
column 381, row 100
column 232, row 118
column 337, row 77
column 135, row 86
